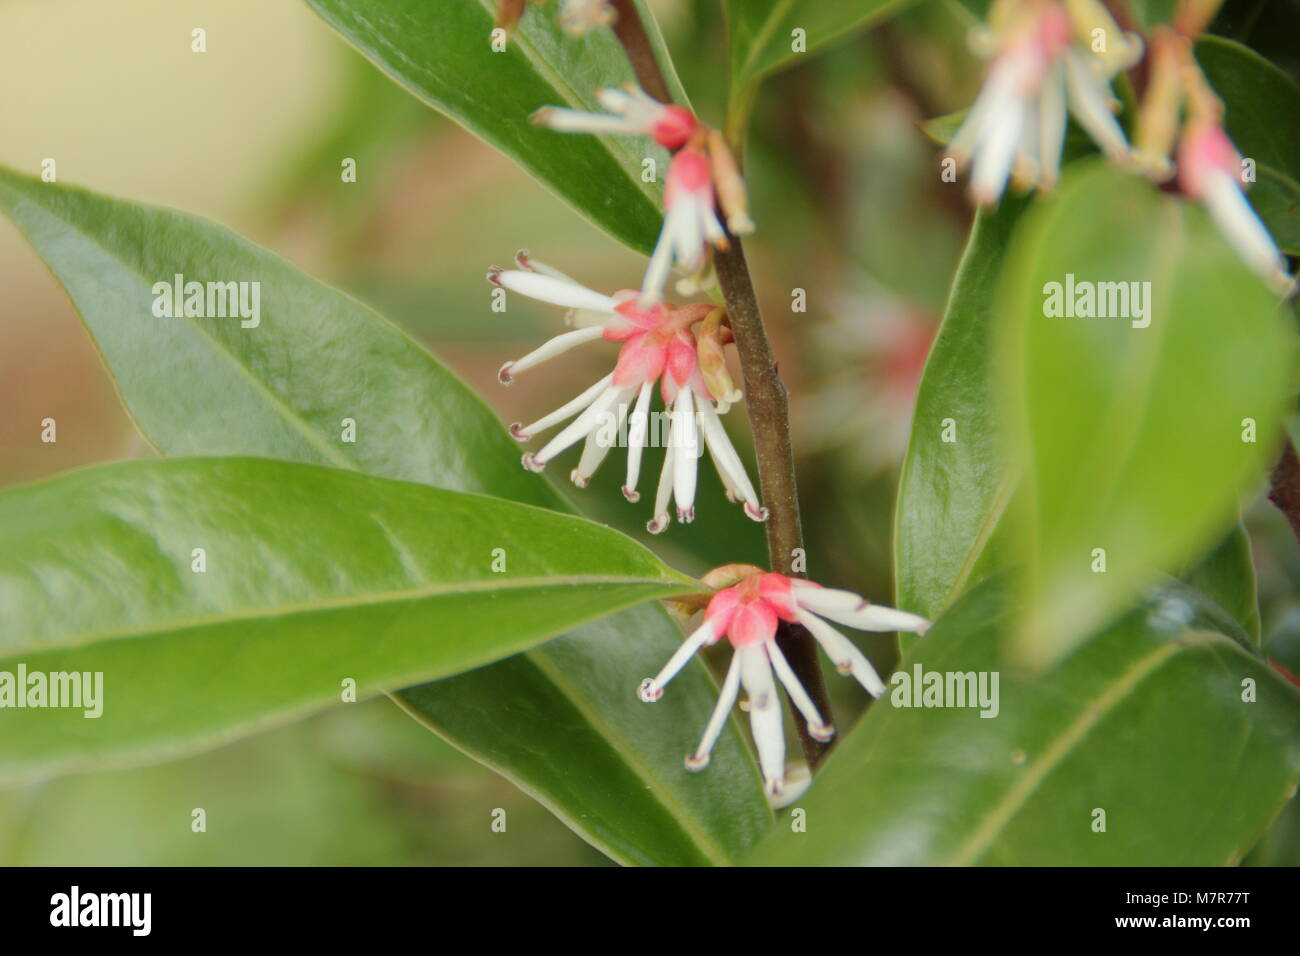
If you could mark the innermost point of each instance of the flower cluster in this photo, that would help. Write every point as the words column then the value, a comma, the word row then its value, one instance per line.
column 702, row 175
column 1050, row 58
column 748, row 613
column 1208, row 167
column 1042, row 66
column 678, row 348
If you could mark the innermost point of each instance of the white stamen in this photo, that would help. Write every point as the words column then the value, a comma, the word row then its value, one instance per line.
column 597, row 447
column 718, row 719
column 853, row 610
column 566, row 120
column 638, row 432
column 687, row 456
column 764, row 714
column 725, row 457
column 548, row 288
column 1240, row 226
column 1090, row 102
column 581, row 426
column 525, row 260
column 653, row 688
column 1051, row 126
column 843, row 652
column 997, row 152
column 661, row 261
column 664, row 492
column 524, row 433
column 816, row 727
column 732, row 492
column 549, row 349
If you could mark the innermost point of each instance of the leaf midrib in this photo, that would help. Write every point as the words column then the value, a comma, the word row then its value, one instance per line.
column 289, row 414
column 346, row 602
column 995, row 820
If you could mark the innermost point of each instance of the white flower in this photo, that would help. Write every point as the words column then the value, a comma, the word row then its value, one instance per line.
column 660, row 345
column 1209, row 169
column 1016, row 126
column 748, row 614
column 631, row 112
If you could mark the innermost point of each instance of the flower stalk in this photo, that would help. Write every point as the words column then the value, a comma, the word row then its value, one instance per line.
column 765, row 400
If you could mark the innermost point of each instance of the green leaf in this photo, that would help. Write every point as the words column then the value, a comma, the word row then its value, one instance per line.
column 1133, row 437
column 208, row 386
column 441, row 53
column 219, row 595
column 1226, row 576
column 1146, row 722
column 1261, row 103
column 956, row 482
column 762, row 38
column 953, row 495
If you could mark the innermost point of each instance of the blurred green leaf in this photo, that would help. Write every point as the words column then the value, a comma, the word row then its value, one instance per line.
column 1146, row 722
column 1262, row 104
column 1134, row 435
column 311, row 576
column 956, row 481
column 441, row 53
column 208, row 386
column 762, row 37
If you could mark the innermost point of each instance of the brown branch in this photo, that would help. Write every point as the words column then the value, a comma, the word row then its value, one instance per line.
column 765, row 401
column 636, row 44
column 1284, row 486
column 769, row 420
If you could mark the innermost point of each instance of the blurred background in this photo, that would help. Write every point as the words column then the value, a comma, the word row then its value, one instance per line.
column 251, row 133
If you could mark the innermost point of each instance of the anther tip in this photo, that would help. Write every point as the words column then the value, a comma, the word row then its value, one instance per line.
column 696, row 762
column 531, row 463
column 631, row 494
column 821, row 732
column 517, row 430
column 579, row 479
column 657, row 524
column 740, row 225
column 648, row 691
column 505, row 378
column 685, row 515
column 756, row 513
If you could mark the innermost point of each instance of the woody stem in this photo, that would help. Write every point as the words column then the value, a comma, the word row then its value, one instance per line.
column 765, row 400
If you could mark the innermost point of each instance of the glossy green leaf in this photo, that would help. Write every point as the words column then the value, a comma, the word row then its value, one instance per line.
column 1146, row 722
column 441, row 52
column 1135, row 428
column 219, row 595
column 1226, row 576
column 956, row 482
column 282, row 389
column 765, row 36
column 1261, row 104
